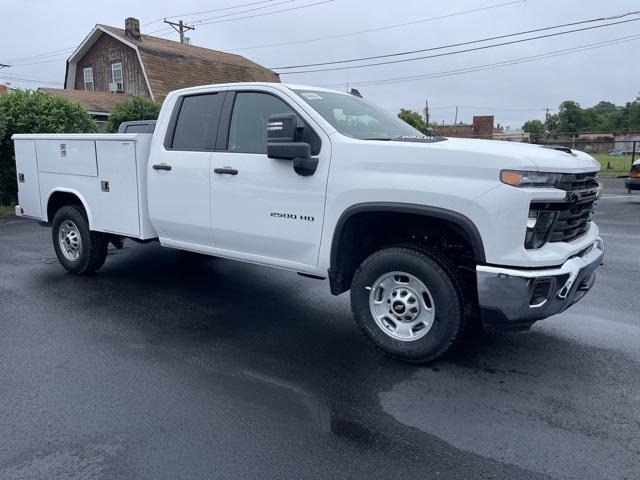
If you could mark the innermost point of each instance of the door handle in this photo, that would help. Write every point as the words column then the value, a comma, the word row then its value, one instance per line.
column 225, row 170
column 162, row 166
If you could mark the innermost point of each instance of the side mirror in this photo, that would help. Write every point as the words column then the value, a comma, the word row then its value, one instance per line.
column 282, row 144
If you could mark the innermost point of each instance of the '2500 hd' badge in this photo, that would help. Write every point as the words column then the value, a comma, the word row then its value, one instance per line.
column 293, row 216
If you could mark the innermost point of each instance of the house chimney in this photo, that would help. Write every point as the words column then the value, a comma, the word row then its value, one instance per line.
column 132, row 28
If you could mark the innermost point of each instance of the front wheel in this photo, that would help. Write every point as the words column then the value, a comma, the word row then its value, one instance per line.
column 79, row 250
column 409, row 303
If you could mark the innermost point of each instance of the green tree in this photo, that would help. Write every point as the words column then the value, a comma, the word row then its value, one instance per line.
column 535, row 128
column 571, row 118
column 136, row 108
column 27, row 111
column 414, row 119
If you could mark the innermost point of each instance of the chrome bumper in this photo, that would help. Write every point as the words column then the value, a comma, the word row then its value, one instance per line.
column 514, row 299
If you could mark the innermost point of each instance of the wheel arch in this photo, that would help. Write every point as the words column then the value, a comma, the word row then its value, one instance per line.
column 340, row 280
column 66, row 196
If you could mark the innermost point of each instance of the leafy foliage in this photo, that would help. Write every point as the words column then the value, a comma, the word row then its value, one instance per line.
column 535, row 128
column 603, row 117
column 414, row 119
column 136, row 108
column 26, row 111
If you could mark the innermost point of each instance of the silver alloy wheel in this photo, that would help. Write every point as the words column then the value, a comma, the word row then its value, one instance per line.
column 70, row 240
column 402, row 306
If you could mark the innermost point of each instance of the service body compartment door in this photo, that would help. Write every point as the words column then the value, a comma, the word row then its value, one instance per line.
column 116, row 209
column 27, row 174
column 73, row 157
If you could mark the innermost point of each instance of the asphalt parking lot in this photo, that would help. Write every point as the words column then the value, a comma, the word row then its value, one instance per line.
column 171, row 365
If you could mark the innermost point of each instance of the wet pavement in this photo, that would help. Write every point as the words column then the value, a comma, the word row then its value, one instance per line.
column 172, row 365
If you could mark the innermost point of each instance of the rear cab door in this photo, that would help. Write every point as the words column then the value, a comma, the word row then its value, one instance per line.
column 179, row 169
column 264, row 211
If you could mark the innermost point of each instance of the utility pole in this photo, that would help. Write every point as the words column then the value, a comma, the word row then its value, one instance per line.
column 426, row 112
column 456, row 119
column 180, row 27
column 546, row 125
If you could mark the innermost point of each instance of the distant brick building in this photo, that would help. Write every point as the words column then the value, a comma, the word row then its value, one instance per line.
column 482, row 127
column 112, row 63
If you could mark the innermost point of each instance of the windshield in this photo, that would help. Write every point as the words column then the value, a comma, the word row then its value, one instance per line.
column 357, row 118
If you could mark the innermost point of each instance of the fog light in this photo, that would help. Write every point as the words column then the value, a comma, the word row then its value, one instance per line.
column 540, row 291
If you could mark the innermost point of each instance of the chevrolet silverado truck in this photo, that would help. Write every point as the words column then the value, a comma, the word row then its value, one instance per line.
column 426, row 232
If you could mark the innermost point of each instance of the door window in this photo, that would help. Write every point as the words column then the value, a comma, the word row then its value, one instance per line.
column 197, row 123
column 251, row 112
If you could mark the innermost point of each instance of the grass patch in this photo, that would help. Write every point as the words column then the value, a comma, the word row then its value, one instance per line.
column 619, row 165
column 7, row 211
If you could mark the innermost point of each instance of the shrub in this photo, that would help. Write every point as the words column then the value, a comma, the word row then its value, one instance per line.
column 136, row 108
column 27, row 111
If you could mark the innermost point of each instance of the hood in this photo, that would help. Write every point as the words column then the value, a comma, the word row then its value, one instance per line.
column 496, row 154
column 541, row 158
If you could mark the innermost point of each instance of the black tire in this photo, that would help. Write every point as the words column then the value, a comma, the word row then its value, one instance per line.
column 93, row 250
column 445, row 287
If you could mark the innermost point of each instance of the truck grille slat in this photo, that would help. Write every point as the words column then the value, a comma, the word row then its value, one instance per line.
column 573, row 220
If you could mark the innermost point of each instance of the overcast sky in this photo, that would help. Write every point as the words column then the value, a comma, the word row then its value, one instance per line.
column 513, row 93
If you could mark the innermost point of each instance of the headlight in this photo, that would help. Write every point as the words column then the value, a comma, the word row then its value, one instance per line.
column 524, row 179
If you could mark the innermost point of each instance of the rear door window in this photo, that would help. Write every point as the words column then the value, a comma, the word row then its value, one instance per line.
column 196, row 125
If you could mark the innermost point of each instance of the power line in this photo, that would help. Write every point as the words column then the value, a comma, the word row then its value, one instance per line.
column 489, row 108
column 455, row 52
column 269, row 13
column 183, row 15
column 46, row 54
column 491, row 66
column 486, row 39
column 30, row 80
column 387, row 27
column 200, row 21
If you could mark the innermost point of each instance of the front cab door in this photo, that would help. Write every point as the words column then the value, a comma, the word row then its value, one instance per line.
column 262, row 210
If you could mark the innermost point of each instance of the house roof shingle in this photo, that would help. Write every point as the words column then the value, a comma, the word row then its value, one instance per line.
column 173, row 65
column 102, row 102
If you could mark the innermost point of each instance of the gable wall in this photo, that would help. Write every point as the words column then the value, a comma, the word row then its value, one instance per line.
column 100, row 56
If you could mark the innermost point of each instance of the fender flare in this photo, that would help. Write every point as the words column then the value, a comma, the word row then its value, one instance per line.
column 464, row 223
column 73, row 192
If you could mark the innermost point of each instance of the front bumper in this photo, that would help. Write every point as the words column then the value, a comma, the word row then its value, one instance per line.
column 632, row 183
column 513, row 299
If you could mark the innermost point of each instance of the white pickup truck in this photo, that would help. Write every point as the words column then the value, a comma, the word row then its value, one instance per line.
column 426, row 232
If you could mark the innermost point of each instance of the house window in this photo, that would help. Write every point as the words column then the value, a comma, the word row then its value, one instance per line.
column 88, row 78
column 116, row 76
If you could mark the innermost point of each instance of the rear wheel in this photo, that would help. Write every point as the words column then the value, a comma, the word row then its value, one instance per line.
column 409, row 303
column 79, row 250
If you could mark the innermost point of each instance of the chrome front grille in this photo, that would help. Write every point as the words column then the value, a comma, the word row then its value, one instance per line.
column 574, row 215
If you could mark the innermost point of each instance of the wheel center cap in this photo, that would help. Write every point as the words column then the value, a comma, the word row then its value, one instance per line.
column 399, row 307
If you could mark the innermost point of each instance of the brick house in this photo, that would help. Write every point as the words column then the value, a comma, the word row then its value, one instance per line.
column 112, row 63
column 482, row 127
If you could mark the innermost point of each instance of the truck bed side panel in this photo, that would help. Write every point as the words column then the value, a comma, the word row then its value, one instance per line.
column 115, row 208
column 28, row 180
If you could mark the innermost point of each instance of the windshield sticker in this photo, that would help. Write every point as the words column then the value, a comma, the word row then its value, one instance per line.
column 312, row 96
